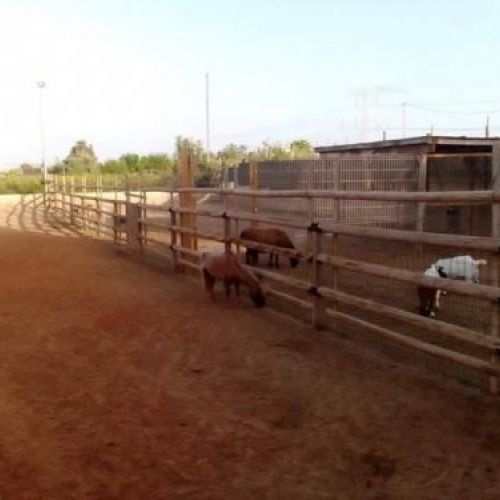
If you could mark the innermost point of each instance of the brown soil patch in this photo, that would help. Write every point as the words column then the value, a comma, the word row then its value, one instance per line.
column 120, row 381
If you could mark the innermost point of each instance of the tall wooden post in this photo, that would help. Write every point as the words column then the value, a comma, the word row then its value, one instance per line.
column 173, row 232
column 56, row 190
column 254, row 186
column 227, row 224
column 495, row 261
column 116, row 223
column 83, row 207
column 319, row 306
column 187, row 199
column 99, row 204
column 72, row 218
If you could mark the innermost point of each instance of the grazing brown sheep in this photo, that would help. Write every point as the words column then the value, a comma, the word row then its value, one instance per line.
column 267, row 236
column 225, row 267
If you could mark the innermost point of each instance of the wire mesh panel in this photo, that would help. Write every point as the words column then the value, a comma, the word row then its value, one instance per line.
column 459, row 174
column 381, row 173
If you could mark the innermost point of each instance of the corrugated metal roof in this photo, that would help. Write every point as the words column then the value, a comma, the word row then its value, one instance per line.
column 411, row 141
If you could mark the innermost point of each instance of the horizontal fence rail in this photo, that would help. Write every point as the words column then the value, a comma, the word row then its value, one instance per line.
column 344, row 278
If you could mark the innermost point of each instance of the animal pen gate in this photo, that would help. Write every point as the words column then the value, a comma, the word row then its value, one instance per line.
column 363, row 273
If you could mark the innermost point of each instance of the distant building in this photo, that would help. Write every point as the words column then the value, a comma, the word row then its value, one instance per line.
column 428, row 145
column 445, row 164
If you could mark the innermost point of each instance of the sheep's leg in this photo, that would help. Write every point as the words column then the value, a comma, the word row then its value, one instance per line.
column 247, row 257
column 237, row 290
column 270, row 260
column 436, row 300
column 209, row 283
column 276, row 260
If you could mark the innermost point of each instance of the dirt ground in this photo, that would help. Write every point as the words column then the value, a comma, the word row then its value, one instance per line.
column 118, row 381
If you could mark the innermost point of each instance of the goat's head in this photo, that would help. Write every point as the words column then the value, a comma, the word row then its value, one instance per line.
column 441, row 272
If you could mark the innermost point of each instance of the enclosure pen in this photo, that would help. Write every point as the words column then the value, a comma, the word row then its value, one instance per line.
column 188, row 218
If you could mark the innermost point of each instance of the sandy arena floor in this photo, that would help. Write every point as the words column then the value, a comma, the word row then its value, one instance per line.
column 118, row 381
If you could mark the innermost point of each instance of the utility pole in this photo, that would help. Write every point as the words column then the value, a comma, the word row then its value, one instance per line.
column 207, row 114
column 41, row 85
column 487, row 128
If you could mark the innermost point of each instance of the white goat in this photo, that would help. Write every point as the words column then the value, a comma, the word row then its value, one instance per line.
column 461, row 267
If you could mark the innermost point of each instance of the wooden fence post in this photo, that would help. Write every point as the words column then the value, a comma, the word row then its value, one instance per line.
column 319, row 305
column 173, row 233
column 495, row 261
column 227, row 225
column 98, row 204
column 72, row 218
column 144, row 213
column 133, row 226
column 187, row 199
column 56, row 189
column 83, row 208
column 236, row 182
column 116, row 223
column 254, row 186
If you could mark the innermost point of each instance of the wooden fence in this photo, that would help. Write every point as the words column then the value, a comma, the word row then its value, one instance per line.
column 173, row 229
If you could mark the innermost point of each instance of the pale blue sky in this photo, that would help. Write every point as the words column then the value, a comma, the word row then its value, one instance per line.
column 129, row 75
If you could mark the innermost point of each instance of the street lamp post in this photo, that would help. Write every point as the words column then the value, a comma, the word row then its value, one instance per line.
column 41, row 85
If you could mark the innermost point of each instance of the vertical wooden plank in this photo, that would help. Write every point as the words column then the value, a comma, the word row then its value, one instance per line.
column 143, row 227
column 494, row 267
column 187, row 199
column 116, row 223
column 56, row 190
column 227, row 224
column 173, row 232
column 133, row 227
column 235, row 176
column 127, row 189
column 254, row 185
column 72, row 207
column 312, row 220
column 237, row 236
column 319, row 305
column 99, row 204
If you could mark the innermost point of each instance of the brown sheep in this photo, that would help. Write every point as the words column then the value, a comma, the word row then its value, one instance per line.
column 268, row 236
column 225, row 267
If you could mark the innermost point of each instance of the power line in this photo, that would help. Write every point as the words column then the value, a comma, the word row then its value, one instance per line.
column 452, row 112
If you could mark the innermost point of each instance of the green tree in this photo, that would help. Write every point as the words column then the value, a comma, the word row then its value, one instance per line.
column 159, row 162
column 196, row 148
column 301, row 149
column 131, row 160
column 117, row 167
column 81, row 159
column 232, row 154
column 272, row 151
